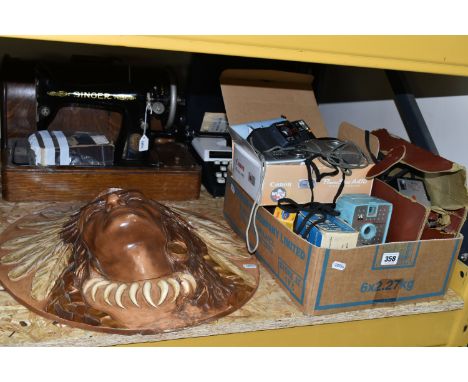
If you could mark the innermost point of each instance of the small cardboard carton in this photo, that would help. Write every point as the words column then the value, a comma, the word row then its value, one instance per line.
column 264, row 96
column 324, row 281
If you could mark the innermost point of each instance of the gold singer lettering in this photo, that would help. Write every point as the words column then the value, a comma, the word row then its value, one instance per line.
column 92, row 95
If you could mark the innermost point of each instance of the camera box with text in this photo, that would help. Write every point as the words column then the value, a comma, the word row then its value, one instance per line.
column 267, row 96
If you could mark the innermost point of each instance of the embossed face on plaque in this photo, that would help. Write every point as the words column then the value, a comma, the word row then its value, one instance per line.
column 124, row 263
column 128, row 237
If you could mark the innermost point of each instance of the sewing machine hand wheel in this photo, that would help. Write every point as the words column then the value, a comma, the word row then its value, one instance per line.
column 172, row 100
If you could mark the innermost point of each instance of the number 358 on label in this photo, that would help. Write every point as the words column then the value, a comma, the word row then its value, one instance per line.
column 390, row 258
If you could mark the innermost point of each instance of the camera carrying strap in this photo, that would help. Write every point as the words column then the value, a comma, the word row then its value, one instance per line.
column 312, row 208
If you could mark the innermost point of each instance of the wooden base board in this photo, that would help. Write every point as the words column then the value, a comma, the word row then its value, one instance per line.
column 27, row 183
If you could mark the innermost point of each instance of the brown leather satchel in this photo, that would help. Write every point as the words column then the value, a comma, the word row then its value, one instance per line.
column 445, row 183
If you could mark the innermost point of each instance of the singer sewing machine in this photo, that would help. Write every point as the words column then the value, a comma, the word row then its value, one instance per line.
column 138, row 110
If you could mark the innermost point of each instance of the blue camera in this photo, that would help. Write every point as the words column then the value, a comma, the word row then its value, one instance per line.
column 368, row 215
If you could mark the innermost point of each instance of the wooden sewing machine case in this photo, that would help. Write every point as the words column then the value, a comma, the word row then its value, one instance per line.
column 178, row 178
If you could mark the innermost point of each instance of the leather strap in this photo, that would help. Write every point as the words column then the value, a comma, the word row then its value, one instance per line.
column 367, row 141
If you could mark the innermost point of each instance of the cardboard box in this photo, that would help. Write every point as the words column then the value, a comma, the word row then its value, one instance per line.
column 324, row 281
column 264, row 96
column 319, row 280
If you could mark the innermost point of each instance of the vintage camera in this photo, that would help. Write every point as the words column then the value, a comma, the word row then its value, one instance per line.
column 279, row 135
column 368, row 215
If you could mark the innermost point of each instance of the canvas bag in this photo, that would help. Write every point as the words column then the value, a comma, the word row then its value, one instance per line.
column 445, row 183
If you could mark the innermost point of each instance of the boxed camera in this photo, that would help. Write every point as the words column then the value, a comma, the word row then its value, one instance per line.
column 272, row 118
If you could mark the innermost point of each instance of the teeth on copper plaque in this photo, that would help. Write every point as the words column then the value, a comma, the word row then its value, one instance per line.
column 147, row 293
column 108, row 291
column 96, row 286
column 190, row 280
column 90, row 283
column 175, row 286
column 132, row 293
column 118, row 295
column 164, row 288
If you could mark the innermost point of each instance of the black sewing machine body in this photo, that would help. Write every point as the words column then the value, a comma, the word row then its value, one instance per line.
column 155, row 96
